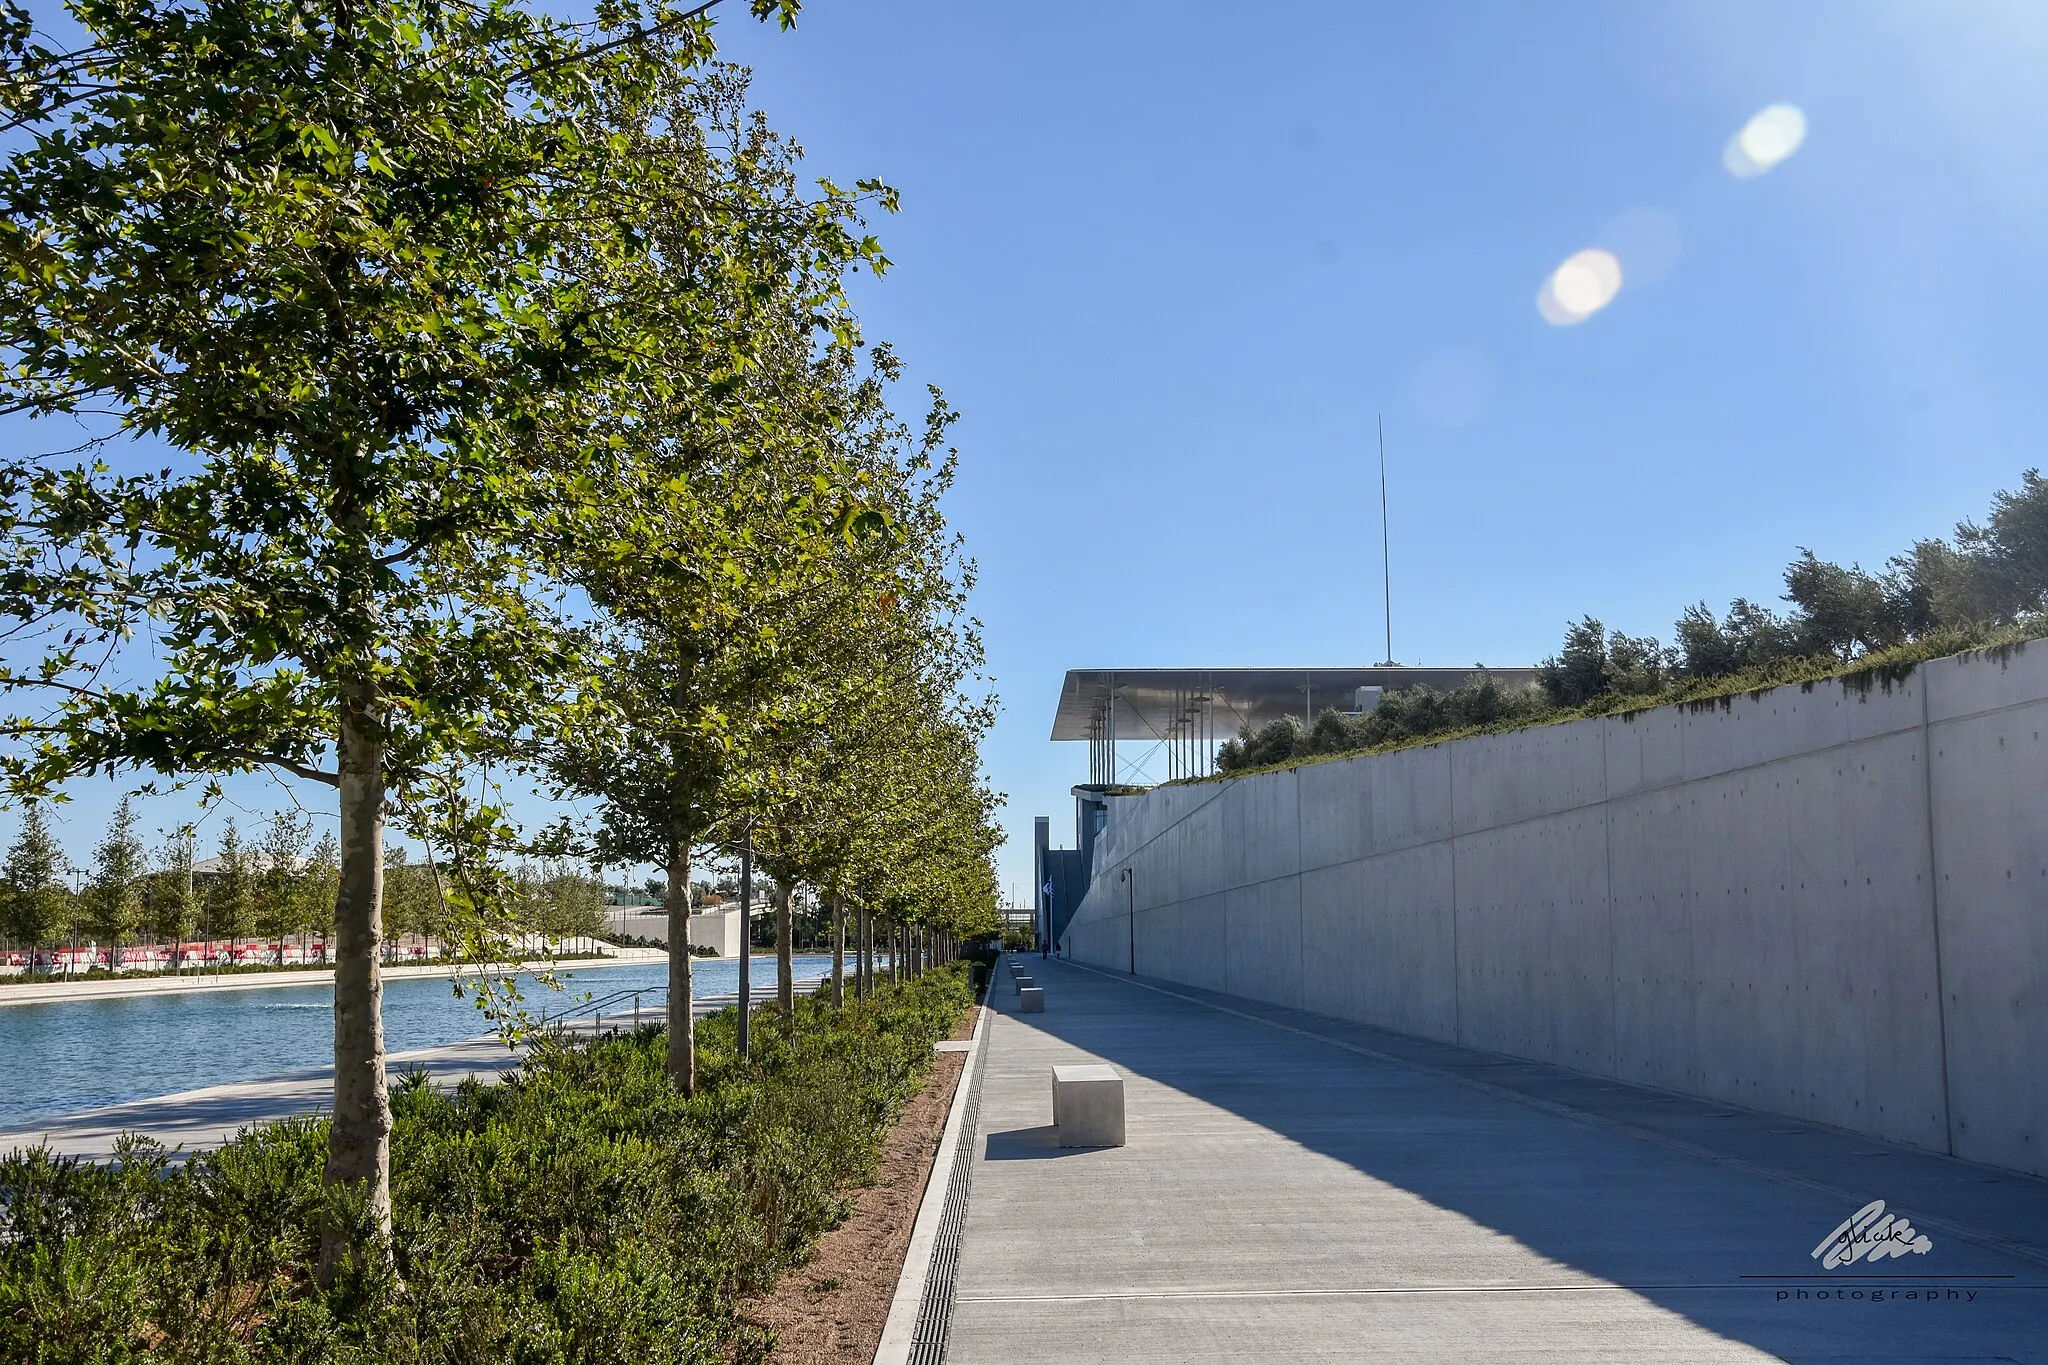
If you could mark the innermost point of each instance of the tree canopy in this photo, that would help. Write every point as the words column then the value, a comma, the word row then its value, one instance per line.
column 464, row 386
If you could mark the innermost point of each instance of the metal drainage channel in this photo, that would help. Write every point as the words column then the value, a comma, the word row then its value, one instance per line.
column 935, row 1309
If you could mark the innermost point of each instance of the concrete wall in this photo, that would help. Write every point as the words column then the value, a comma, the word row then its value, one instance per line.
column 1817, row 903
column 715, row 929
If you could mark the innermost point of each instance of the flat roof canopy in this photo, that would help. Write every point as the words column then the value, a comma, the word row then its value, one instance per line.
column 1155, row 703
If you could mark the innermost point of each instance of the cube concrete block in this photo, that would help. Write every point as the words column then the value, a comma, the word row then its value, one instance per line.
column 1030, row 1000
column 1088, row 1106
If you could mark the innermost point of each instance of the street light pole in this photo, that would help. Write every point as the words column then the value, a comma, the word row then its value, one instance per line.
column 77, row 890
column 1131, row 913
column 1045, row 939
column 746, row 930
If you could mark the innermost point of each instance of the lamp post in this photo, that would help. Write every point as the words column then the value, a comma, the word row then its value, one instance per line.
column 77, row 891
column 1045, row 939
column 1131, row 913
column 746, row 931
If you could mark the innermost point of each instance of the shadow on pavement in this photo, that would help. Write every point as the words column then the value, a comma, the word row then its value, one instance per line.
column 1031, row 1144
column 1708, row 1211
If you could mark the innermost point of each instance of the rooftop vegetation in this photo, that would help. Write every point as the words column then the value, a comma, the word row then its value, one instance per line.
column 1985, row 588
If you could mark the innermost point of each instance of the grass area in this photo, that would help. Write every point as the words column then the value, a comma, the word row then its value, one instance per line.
column 1882, row 669
column 579, row 1211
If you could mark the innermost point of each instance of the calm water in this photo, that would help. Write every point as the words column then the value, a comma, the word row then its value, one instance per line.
column 68, row 1055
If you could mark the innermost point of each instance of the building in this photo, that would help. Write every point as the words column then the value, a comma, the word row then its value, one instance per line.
column 1180, row 716
column 716, row 927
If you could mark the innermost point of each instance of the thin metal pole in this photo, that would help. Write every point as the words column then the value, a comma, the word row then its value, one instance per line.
column 746, row 932
column 1131, row 914
column 1386, row 551
column 1112, row 730
column 863, row 951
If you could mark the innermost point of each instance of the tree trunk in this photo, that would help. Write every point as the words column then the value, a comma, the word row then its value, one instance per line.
column 785, row 966
column 359, row 1139
column 838, row 952
column 682, row 1030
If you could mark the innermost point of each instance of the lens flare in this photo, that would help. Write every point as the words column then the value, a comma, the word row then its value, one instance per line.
column 1581, row 287
column 1774, row 134
column 1646, row 241
column 1453, row 388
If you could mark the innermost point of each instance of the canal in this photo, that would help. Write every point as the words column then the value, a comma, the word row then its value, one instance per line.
column 60, row 1057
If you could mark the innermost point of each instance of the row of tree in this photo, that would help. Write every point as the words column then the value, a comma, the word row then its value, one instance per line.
column 277, row 886
column 1988, row 575
column 491, row 401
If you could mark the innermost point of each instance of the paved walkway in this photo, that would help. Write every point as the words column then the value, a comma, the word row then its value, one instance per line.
column 1296, row 1189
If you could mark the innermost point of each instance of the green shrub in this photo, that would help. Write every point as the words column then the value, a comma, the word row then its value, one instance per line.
column 578, row 1211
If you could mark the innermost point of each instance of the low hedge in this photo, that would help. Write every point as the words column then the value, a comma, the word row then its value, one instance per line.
column 580, row 1210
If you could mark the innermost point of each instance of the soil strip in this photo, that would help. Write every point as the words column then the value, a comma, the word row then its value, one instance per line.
column 831, row 1310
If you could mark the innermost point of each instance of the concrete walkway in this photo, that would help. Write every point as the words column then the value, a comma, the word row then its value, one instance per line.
column 1296, row 1189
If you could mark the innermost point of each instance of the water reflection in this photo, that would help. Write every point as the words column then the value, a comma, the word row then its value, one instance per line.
column 63, row 1056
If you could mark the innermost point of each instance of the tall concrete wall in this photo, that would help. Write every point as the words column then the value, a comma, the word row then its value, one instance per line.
column 1817, row 903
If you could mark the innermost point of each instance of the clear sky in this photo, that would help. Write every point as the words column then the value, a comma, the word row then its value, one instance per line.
column 1172, row 260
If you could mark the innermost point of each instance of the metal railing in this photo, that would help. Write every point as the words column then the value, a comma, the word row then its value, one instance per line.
column 635, row 1005
column 640, row 1004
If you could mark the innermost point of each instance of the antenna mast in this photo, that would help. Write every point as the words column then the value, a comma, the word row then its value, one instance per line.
column 1386, row 553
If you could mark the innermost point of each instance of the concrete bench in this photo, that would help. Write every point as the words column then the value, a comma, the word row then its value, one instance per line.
column 1031, row 1000
column 1088, row 1106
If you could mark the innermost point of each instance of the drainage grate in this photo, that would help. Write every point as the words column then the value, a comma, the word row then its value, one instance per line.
column 935, row 1311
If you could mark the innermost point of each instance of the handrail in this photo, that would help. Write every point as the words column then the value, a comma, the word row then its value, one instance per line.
column 596, row 1008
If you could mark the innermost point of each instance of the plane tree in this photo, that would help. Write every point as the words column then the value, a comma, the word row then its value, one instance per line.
column 705, row 667
column 328, row 285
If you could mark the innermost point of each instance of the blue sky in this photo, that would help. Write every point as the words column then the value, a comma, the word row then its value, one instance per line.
column 1171, row 260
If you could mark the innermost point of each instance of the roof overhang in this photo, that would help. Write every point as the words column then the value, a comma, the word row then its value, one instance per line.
column 1152, row 703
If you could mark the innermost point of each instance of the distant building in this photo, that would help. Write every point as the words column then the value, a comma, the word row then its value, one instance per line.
column 715, row 927
column 1181, row 716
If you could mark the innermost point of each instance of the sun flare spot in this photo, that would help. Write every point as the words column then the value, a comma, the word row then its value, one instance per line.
column 1581, row 287
column 1774, row 134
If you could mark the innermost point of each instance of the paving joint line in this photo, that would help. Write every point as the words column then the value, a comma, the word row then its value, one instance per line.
column 1982, row 1237
column 1120, row 1296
